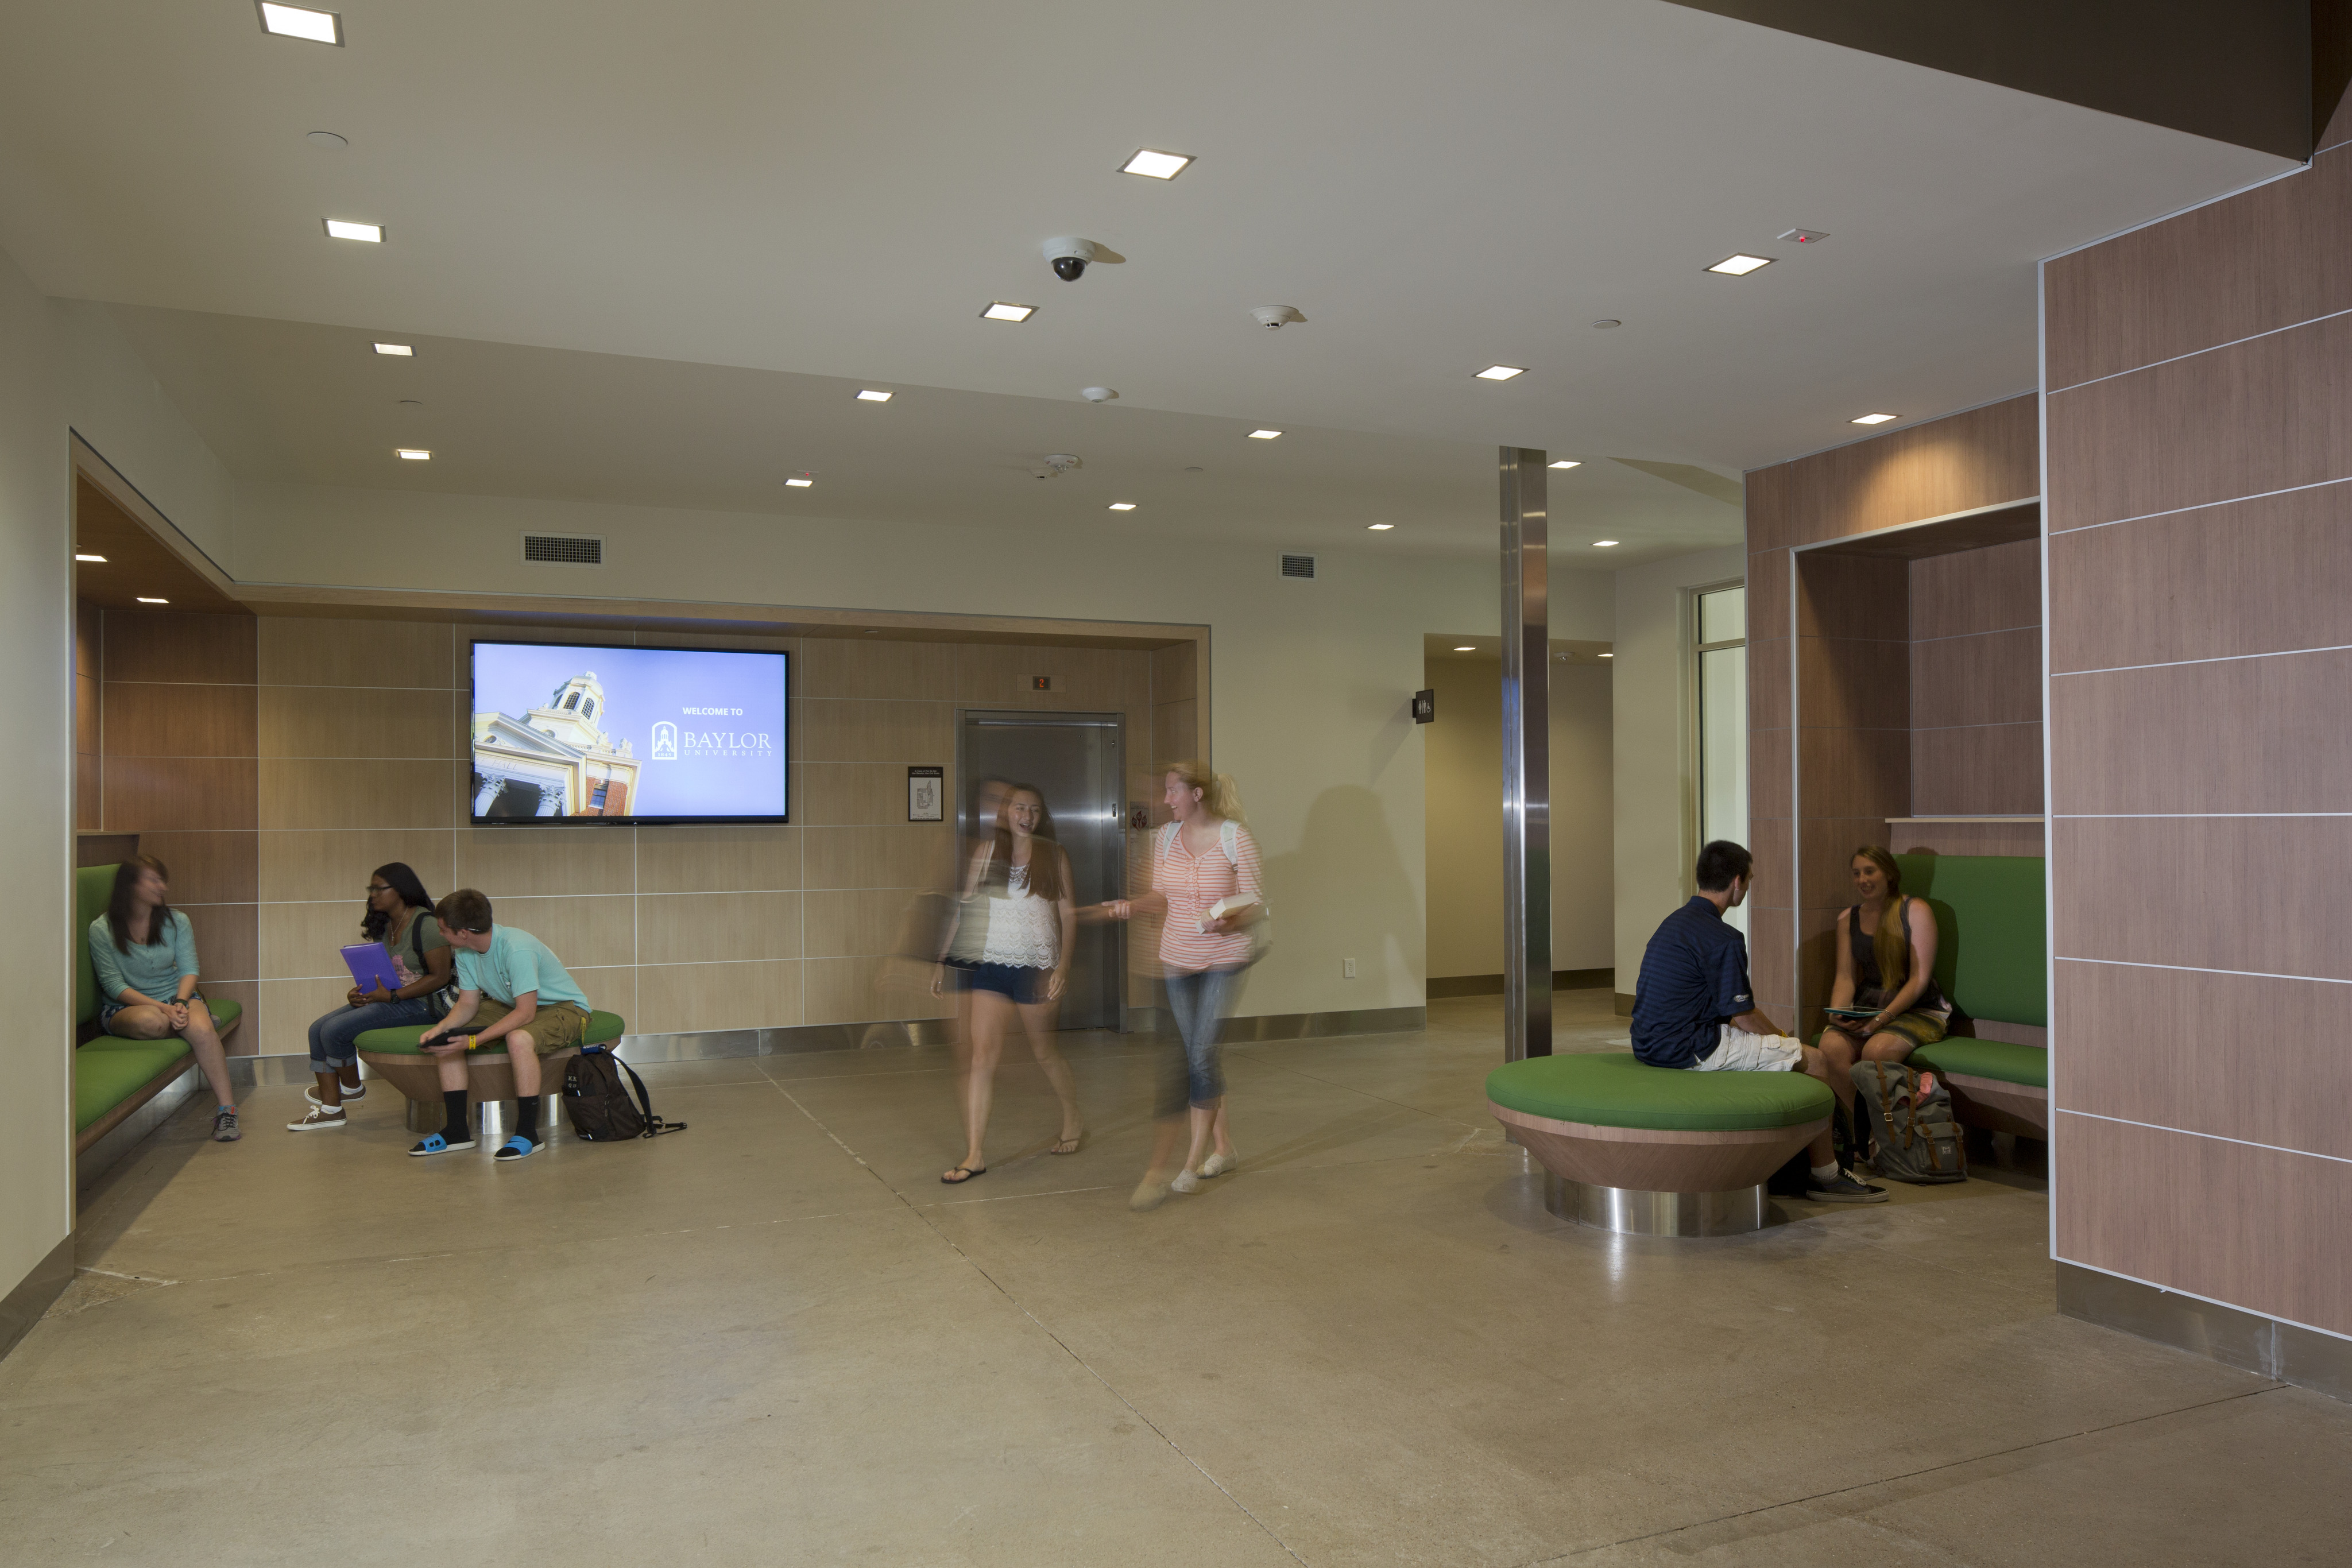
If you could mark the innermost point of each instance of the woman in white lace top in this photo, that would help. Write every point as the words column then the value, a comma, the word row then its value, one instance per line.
column 1019, row 967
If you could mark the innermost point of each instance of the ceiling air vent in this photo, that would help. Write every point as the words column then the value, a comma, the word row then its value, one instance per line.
column 563, row 549
column 1298, row 566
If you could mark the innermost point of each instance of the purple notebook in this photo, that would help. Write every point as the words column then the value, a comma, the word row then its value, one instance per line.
column 371, row 967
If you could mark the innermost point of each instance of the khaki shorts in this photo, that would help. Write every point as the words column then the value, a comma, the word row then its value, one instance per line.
column 553, row 1027
column 1736, row 1050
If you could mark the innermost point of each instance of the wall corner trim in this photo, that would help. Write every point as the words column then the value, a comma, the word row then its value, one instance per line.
column 2281, row 1352
column 23, row 1307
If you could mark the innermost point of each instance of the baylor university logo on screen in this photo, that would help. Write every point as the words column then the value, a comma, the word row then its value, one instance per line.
column 664, row 742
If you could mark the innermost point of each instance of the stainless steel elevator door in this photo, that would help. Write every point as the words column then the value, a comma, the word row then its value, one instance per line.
column 1075, row 761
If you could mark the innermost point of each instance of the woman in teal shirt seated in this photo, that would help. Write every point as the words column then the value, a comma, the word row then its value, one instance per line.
column 145, row 957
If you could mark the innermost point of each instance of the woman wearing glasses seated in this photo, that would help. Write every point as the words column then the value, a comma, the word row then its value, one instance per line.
column 400, row 915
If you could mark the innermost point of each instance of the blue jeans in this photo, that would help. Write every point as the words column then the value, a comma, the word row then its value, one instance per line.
column 1198, row 999
column 334, row 1037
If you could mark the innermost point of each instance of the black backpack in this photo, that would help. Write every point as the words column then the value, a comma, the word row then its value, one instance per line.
column 597, row 1104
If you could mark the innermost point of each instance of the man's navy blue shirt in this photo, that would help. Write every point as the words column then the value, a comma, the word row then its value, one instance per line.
column 1694, row 980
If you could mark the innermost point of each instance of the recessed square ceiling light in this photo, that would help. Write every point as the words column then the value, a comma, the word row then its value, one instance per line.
column 800, row 484
column 397, row 351
column 1874, row 418
column 1566, row 463
column 1741, row 265
column 1263, row 435
column 1156, row 165
column 1604, row 656
column 414, row 454
column 99, row 559
column 1466, row 648
column 869, row 395
column 1604, row 544
column 1122, row 506
column 144, row 599
column 1501, row 372
column 301, row 22
column 1378, row 527
column 998, row 310
column 370, row 233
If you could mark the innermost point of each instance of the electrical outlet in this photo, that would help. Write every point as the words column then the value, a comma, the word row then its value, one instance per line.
column 1347, row 968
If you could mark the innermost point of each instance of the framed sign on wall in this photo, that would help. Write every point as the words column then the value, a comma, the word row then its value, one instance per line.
column 926, row 794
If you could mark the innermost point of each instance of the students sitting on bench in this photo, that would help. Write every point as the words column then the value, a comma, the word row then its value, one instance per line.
column 1886, row 960
column 514, row 992
column 144, row 956
column 1693, row 1008
column 400, row 915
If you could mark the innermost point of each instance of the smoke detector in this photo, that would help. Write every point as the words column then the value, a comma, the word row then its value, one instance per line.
column 1272, row 317
column 1096, row 394
column 1058, row 463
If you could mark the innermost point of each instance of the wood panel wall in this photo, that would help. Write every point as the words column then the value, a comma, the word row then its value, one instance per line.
column 1976, row 681
column 2200, row 601
column 1855, row 766
column 180, row 759
column 364, row 746
column 89, row 764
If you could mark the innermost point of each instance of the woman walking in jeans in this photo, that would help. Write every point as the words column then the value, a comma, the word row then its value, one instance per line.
column 400, row 915
column 1204, row 855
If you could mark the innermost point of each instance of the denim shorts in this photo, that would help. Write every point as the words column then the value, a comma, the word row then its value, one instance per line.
column 1014, row 982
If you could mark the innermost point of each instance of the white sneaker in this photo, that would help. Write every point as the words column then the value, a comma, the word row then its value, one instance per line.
column 319, row 1120
column 311, row 1094
column 1185, row 1182
column 1218, row 1165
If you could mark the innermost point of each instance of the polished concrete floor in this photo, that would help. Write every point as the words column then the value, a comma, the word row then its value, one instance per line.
column 775, row 1339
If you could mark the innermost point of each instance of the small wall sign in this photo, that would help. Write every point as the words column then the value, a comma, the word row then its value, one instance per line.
column 926, row 794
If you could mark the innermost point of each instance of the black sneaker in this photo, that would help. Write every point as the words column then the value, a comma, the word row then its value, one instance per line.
column 436, row 1143
column 1842, row 1189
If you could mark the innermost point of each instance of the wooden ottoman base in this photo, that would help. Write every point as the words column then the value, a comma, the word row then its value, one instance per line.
column 1656, row 1159
column 489, row 1078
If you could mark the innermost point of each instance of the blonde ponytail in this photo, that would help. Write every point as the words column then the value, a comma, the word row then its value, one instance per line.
column 1218, row 795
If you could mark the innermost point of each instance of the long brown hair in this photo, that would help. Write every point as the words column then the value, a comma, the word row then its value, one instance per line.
column 1890, row 943
column 118, row 904
column 1045, row 880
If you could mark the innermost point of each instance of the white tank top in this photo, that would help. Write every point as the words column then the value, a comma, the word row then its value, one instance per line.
column 1023, row 930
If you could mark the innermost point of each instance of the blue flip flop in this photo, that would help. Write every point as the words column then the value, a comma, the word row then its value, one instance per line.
column 516, row 1148
column 439, row 1144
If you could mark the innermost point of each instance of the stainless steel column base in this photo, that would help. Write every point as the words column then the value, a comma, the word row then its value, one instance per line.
column 492, row 1118
column 1628, row 1211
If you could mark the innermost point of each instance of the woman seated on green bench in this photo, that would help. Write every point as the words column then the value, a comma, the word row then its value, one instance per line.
column 145, row 957
column 1886, row 962
column 400, row 915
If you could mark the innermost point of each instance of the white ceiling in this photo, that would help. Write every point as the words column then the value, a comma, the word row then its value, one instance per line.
column 648, row 245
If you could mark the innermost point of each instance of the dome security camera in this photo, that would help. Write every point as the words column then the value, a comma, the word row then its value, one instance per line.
column 1069, row 255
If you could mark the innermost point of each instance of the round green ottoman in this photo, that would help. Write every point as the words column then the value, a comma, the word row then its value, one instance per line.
column 1656, row 1150
column 392, row 1054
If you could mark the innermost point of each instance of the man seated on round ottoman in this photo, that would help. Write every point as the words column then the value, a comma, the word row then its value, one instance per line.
column 514, row 989
column 1694, row 1007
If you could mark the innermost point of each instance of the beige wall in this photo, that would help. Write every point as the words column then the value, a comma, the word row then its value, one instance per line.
column 1465, row 785
column 363, row 760
column 1308, row 683
column 36, row 964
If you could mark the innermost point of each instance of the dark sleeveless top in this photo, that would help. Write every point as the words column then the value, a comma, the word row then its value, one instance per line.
column 1870, row 988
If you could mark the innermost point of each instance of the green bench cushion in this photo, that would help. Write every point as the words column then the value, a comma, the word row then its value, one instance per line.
column 603, row 1029
column 108, row 1072
column 1995, row 1059
column 93, row 885
column 224, row 1017
column 1611, row 1089
column 1991, row 931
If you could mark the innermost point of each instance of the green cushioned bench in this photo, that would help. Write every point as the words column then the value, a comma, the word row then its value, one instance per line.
column 114, row 1079
column 1604, row 1120
column 1991, row 957
column 393, row 1055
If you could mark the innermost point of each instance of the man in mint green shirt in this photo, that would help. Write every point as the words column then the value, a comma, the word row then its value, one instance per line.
column 511, row 988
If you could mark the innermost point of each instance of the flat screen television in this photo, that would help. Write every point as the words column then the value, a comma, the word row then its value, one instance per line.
column 610, row 735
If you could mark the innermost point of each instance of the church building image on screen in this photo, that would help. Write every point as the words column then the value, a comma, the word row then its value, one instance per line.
column 553, row 761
